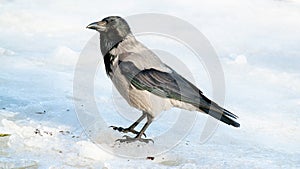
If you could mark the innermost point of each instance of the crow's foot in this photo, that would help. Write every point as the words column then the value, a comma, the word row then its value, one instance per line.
column 128, row 139
column 126, row 130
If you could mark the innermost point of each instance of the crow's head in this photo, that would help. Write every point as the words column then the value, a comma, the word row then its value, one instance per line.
column 111, row 24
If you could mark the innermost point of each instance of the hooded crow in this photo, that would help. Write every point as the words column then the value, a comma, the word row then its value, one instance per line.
column 145, row 81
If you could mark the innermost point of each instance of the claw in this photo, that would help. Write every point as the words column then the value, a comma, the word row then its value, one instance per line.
column 128, row 139
column 121, row 129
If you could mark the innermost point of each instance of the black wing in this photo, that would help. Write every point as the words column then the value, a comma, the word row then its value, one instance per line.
column 174, row 86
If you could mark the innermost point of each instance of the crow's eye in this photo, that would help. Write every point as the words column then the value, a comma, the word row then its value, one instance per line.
column 110, row 20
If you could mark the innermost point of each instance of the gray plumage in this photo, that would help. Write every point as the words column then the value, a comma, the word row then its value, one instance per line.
column 145, row 81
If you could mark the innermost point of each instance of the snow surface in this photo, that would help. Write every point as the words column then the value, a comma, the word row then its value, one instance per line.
column 258, row 44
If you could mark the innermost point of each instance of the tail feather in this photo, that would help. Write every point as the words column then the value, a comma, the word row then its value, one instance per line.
column 216, row 111
column 216, row 106
column 221, row 116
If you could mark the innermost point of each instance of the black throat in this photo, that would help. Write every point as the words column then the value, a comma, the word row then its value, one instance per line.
column 108, row 41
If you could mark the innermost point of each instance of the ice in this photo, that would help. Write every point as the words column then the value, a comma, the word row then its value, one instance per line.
column 7, row 163
column 240, row 59
column 258, row 45
column 7, row 114
column 90, row 150
column 6, row 52
column 65, row 56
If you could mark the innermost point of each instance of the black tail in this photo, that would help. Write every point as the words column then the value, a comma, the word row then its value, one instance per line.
column 218, row 112
column 221, row 116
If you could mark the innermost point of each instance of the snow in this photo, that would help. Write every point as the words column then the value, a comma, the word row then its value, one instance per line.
column 6, row 52
column 41, row 41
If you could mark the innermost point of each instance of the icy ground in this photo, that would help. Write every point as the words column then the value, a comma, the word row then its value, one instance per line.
column 40, row 42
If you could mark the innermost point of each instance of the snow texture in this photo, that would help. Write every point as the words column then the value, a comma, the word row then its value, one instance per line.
column 258, row 45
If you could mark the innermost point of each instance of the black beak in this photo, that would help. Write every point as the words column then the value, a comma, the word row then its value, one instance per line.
column 97, row 26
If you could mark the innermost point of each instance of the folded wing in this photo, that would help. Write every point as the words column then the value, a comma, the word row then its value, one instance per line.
column 174, row 86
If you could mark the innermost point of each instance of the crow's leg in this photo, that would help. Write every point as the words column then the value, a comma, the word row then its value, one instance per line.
column 138, row 137
column 149, row 121
column 131, row 128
